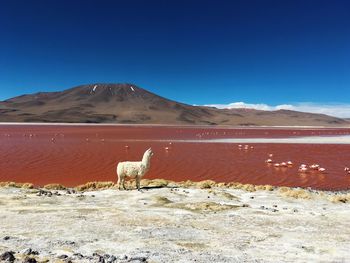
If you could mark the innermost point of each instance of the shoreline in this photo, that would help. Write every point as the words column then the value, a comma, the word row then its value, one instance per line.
column 293, row 192
column 174, row 125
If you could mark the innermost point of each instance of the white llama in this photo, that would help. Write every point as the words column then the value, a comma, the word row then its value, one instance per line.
column 134, row 169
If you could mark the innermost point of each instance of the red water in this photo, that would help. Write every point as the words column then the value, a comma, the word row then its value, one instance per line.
column 73, row 155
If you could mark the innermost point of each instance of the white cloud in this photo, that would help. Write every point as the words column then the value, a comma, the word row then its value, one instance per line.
column 337, row 110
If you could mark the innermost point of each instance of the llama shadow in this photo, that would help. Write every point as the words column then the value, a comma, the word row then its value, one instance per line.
column 157, row 187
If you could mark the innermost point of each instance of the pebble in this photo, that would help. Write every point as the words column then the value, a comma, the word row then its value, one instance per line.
column 7, row 238
column 78, row 255
column 7, row 256
column 140, row 259
column 62, row 256
column 29, row 251
column 29, row 260
column 111, row 259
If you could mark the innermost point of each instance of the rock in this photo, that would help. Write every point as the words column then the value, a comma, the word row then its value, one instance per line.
column 139, row 259
column 29, row 260
column 72, row 243
column 111, row 259
column 7, row 256
column 274, row 210
column 245, row 205
column 274, row 205
column 29, row 251
column 62, row 256
column 295, row 210
column 78, row 255
column 7, row 238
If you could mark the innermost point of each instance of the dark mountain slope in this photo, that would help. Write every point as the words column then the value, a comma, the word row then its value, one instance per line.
column 127, row 103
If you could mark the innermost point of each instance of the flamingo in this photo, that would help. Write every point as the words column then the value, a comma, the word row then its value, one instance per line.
column 290, row 163
column 283, row 164
column 322, row 170
column 270, row 155
column 126, row 146
column 277, row 165
column 268, row 161
column 347, row 169
column 315, row 166
column 303, row 169
column 166, row 148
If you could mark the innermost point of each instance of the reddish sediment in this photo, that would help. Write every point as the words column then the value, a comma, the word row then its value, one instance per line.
column 73, row 155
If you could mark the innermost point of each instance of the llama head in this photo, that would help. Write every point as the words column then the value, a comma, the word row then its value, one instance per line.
column 149, row 152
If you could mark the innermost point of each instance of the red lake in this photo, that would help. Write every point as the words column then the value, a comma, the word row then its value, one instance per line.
column 76, row 154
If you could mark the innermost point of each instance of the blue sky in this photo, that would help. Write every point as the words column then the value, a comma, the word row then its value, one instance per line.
column 198, row 52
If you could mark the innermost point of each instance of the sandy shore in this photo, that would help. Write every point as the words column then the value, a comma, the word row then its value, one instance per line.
column 173, row 224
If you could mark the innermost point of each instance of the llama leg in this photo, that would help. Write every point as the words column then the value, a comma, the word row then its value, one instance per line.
column 119, row 181
column 138, row 183
column 123, row 182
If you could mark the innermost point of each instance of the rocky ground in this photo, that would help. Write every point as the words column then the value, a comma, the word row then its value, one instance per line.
column 171, row 224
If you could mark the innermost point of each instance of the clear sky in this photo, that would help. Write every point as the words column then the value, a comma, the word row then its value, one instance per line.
column 198, row 52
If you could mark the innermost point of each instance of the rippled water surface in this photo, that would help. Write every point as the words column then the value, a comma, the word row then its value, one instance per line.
column 73, row 155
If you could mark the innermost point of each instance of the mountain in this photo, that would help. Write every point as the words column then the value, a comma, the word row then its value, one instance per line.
column 127, row 103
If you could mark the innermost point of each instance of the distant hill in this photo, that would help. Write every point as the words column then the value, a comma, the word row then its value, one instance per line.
column 127, row 103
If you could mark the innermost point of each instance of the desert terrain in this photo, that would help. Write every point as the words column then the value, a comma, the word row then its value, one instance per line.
column 169, row 222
